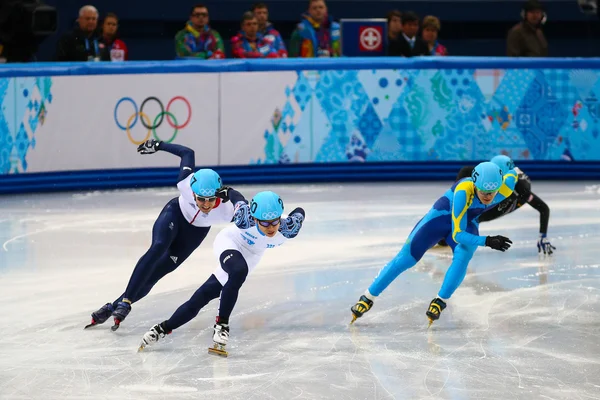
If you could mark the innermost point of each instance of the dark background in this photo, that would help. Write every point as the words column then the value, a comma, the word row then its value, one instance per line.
column 476, row 28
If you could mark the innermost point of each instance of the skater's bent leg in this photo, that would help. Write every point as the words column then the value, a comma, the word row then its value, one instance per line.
column 187, row 311
column 187, row 241
column 164, row 266
column 232, row 262
column 423, row 237
column 163, row 233
column 457, row 270
column 403, row 261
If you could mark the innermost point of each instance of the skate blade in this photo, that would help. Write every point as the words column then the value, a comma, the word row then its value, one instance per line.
column 89, row 326
column 116, row 325
column 216, row 350
column 142, row 347
column 430, row 323
column 353, row 319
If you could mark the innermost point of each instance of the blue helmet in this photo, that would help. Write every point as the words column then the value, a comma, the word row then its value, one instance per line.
column 266, row 206
column 504, row 162
column 487, row 177
column 205, row 182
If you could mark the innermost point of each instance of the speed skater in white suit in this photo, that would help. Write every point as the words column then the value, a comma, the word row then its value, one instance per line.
column 239, row 249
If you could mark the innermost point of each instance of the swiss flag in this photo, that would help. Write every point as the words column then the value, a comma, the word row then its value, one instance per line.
column 370, row 38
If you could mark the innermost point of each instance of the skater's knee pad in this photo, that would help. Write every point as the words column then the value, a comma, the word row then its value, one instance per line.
column 233, row 262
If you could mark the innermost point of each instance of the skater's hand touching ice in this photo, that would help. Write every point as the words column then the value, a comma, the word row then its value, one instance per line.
column 150, row 146
column 498, row 242
column 544, row 245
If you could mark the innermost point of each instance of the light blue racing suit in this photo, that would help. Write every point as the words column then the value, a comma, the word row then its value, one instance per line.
column 453, row 217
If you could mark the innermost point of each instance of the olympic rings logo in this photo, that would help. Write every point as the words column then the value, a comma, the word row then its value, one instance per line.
column 158, row 119
column 267, row 216
column 206, row 192
column 490, row 185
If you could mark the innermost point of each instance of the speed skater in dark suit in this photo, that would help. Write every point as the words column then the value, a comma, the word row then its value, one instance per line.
column 179, row 229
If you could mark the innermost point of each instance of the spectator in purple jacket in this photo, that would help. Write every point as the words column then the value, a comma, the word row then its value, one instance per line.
column 266, row 29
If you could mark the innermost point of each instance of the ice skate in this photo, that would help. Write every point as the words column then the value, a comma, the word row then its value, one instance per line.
column 436, row 307
column 363, row 305
column 155, row 333
column 100, row 316
column 220, row 339
column 120, row 313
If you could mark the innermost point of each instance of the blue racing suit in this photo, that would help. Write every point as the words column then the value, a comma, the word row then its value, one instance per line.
column 453, row 217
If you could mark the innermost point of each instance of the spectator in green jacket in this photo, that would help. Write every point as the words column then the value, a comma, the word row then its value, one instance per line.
column 197, row 39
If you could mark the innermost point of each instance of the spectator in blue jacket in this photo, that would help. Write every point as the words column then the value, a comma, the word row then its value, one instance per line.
column 266, row 29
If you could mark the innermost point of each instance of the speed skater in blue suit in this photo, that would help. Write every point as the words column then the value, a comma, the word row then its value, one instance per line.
column 453, row 217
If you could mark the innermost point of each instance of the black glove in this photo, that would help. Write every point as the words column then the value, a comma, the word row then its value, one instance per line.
column 223, row 193
column 498, row 242
column 150, row 146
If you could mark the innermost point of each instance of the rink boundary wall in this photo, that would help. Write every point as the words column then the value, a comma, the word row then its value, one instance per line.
column 291, row 174
column 291, row 64
column 274, row 173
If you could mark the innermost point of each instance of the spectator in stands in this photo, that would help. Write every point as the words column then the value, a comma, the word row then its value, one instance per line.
column 83, row 43
column 197, row 39
column 266, row 29
column 248, row 44
column 394, row 21
column 116, row 47
column 526, row 39
column 431, row 28
column 317, row 35
column 409, row 44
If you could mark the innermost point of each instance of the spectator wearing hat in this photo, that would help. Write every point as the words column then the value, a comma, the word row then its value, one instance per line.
column 431, row 28
column 526, row 39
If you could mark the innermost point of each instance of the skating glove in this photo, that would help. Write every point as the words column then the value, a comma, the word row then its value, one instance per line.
column 223, row 193
column 150, row 146
column 544, row 245
column 498, row 242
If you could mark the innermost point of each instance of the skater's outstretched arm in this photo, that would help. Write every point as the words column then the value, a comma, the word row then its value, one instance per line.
column 544, row 211
column 188, row 160
column 290, row 227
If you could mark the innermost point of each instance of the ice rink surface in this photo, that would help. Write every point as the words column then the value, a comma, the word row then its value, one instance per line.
column 520, row 326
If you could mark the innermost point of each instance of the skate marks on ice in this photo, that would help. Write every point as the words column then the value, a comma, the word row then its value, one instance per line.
column 519, row 327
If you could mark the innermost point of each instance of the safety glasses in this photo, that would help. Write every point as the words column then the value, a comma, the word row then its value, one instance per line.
column 209, row 199
column 266, row 224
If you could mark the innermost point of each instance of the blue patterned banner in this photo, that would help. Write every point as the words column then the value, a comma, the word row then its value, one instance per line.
column 437, row 115
column 24, row 103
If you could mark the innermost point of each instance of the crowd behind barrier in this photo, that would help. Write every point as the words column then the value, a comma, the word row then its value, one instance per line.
column 75, row 126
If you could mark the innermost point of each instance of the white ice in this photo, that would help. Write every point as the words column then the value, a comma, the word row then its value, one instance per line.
column 520, row 326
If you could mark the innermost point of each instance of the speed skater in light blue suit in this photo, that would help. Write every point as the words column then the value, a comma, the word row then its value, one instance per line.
column 453, row 217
